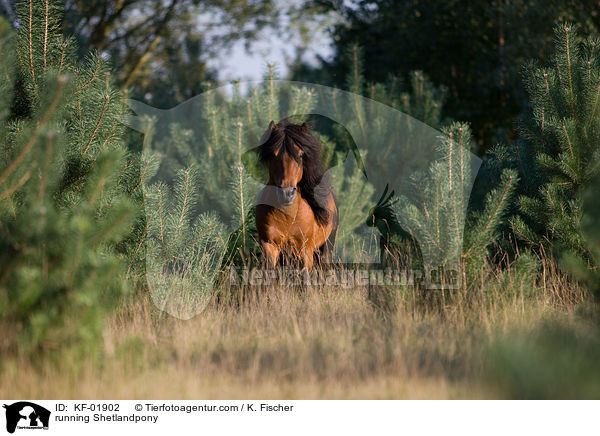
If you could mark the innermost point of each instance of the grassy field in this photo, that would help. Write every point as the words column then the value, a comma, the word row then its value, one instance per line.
column 322, row 343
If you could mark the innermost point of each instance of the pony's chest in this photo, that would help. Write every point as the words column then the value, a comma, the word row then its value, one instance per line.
column 292, row 228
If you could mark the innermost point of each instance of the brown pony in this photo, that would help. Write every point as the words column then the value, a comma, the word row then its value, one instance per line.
column 296, row 213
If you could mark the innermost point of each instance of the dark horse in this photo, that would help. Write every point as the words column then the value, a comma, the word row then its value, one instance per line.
column 296, row 213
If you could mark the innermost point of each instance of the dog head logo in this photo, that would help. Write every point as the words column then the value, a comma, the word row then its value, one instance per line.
column 26, row 415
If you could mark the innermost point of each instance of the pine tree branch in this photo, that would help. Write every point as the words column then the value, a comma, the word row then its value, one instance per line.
column 568, row 140
column 452, row 193
column 36, row 134
column 142, row 175
column 62, row 57
column 46, row 18
column 142, row 240
column 106, row 98
column 184, row 205
column 46, row 169
column 593, row 114
column 215, row 134
column 12, row 189
column 89, row 82
column 31, row 67
column 160, row 217
column 572, row 101
column 123, row 218
column 492, row 217
column 99, row 188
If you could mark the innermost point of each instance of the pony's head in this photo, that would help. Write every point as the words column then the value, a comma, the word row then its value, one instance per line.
column 284, row 158
column 293, row 157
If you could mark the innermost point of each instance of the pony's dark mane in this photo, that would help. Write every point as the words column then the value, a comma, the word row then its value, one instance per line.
column 313, row 187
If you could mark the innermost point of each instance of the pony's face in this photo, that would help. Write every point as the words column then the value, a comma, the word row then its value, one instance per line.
column 285, row 172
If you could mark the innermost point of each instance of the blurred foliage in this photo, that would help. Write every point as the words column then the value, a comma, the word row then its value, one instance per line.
column 65, row 201
column 162, row 48
column 555, row 360
column 588, row 270
column 475, row 49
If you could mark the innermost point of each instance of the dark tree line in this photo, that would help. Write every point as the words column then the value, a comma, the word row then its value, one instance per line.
column 476, row 49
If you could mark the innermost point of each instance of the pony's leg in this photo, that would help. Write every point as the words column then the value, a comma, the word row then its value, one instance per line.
column 307, row 258
column 271, row 253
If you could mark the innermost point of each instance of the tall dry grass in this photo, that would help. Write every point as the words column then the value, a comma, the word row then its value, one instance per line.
column 319, row 342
